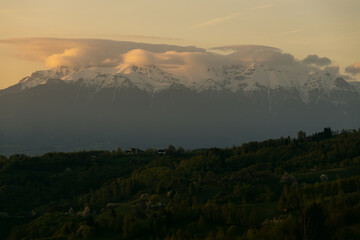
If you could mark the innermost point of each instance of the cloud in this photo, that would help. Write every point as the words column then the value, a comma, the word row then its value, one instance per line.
column 188, row 64
column 196, row 64
column 258, row 54
column 191, row 62
column 84, row 52
column 141, row 37
column 333, row 70
column 353, row 69
column 83, row 57
column 217, row 20
column 315, row 60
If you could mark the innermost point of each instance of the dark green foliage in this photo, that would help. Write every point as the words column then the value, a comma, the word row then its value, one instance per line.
column 260, row 190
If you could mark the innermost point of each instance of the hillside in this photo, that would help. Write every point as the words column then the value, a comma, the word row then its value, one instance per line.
column 301, row 188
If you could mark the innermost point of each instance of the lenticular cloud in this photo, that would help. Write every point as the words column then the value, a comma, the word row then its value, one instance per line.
column 179, row 60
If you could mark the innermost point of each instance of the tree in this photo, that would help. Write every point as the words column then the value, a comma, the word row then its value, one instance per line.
column 301, row 136
column 171, row 150
column 312, row 223
column 327, row 132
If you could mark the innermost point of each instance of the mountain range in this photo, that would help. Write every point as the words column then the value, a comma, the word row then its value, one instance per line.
column 148, row 106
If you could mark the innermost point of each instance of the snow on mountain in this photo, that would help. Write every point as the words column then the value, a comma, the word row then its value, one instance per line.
column 356, row 85
column 233, row 78
column 41, row 77
column 152, row 106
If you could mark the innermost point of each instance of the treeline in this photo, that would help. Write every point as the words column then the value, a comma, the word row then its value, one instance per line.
column 302, row 188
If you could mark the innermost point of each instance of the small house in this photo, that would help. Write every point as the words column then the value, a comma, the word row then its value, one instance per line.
column 133, row 151
column 161, row 152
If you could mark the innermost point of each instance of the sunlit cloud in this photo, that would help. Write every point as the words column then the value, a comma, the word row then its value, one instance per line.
column 191, row 62
column 84, row 52
column 188, row 64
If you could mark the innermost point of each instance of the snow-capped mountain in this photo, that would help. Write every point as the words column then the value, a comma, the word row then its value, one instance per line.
column 70, row 108
column 233, row 78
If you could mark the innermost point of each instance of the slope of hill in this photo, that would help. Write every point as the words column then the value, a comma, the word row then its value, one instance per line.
column 284, row 188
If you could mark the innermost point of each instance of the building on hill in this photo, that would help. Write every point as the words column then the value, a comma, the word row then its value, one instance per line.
column 162, row 152
column 133, row 151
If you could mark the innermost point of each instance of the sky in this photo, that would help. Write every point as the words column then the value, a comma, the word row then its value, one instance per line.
column 329, row 29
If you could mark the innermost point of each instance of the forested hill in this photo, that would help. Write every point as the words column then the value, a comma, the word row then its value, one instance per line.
column 303, row 188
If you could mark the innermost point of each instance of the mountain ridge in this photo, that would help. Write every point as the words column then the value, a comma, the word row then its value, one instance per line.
column 235, row 78
column 91, row 108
